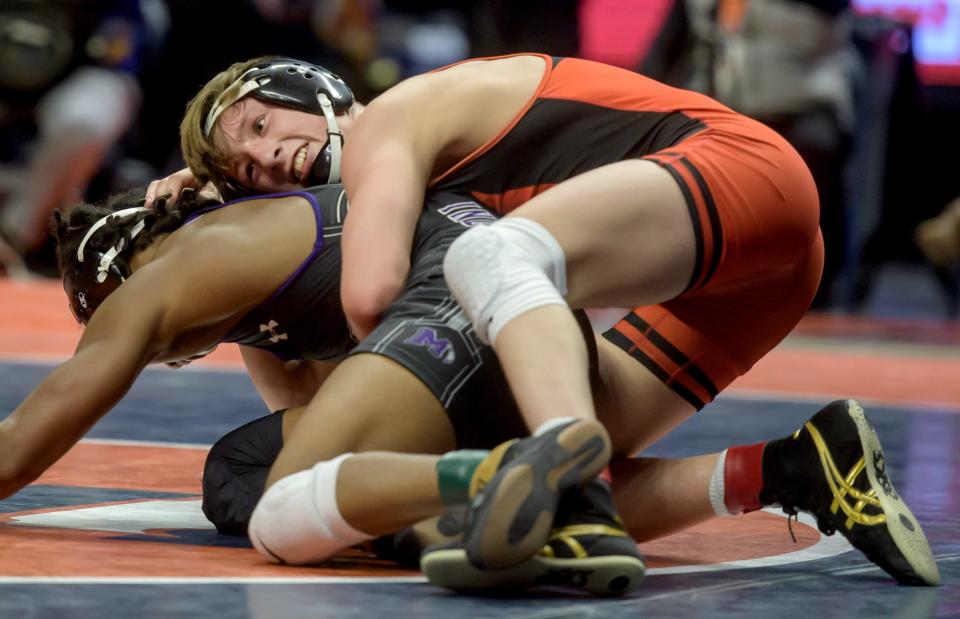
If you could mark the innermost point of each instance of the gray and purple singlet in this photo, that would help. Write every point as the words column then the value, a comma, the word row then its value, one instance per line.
column 424, row 330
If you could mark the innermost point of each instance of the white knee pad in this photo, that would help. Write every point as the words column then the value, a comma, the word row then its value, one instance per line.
column 500, row 271
column 297, row 520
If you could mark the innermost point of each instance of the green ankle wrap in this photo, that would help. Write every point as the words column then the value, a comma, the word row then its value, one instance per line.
column 454, row 472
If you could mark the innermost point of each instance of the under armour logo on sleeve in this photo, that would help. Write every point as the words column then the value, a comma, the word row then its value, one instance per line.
column 271, row 326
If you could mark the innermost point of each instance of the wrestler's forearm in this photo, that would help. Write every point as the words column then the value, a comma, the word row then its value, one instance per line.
column 39, row 432
column 373, row 278
column 63, row 407
column 385, row 179
column 284, row 385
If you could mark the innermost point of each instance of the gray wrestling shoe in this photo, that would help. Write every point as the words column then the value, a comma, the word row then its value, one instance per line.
column 511, row 516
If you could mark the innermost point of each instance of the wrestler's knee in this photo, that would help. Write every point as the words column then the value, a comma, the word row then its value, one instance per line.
column 235, row 472
column 500, row 271
column 298, row 521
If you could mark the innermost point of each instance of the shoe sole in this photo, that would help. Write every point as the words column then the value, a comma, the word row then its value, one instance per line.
column 901, row 524
column 613, row 575
column 487, row 539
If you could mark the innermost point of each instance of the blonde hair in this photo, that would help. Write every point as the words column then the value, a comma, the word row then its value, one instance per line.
column 203, row 154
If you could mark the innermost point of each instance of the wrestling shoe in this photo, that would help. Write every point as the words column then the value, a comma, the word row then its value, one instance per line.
column 587, row 550
column 406, row 546
column 510, row 517
column 461, row 475
column 833, row 468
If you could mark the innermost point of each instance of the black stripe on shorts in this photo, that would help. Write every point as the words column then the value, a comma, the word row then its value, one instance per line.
column 712, row 213
column 624, row 343
column 675, row 354
column 695, row 218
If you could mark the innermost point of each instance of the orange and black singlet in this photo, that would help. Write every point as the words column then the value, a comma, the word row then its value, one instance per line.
column 752, row 202
column 583, row 115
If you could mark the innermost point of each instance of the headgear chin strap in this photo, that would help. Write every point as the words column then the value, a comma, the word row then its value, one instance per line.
column 301, row 86
column 95, row 275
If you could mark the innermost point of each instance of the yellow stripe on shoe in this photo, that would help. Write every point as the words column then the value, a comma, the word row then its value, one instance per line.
column 489, row 467
column 841, row 487
column 617, row 573
column 568, row 535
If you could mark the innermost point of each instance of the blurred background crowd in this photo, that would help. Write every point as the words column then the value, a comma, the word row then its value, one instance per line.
column 868, row 91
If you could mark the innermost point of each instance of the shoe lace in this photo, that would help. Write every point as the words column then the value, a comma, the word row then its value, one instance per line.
column 796, row 517
column 793, row 515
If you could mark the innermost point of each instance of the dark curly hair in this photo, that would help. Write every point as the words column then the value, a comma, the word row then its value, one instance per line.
column 69, row 228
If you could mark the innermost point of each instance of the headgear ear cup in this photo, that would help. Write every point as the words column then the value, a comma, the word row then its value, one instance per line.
column 96, row 274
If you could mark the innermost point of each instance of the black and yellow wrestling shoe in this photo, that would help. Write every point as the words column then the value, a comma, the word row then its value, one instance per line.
column 587, row 550
column 833, row 468
column 510, row 516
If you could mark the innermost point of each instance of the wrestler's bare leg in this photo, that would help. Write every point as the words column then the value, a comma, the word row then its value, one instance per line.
column 347, row 415
column 381, row 493
column 655, row 496
column 623, row 236
column 632, row 244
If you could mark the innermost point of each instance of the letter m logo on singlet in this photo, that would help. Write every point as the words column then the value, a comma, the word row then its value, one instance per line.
column 439, row 347
column 467, row 214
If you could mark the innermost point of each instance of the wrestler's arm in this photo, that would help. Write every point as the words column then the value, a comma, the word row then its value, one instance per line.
column 171, row 185
column 134, row 326
column 385, row 179
column 115, row 347
column 387, row 164
column 284, row 384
